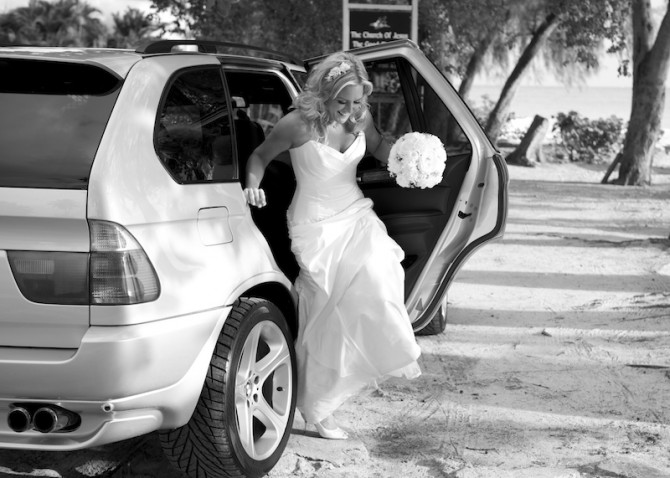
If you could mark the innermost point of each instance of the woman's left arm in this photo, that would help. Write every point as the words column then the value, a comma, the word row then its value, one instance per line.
column 376, row 144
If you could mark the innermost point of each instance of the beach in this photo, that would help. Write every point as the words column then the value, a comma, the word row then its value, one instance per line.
column 590, row 102
column 555, row 362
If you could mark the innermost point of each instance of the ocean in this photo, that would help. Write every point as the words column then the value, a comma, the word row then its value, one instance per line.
column 547, row 101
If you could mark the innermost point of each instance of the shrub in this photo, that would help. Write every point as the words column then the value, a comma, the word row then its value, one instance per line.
column 588, row 140
column 510, row 133
column 483, row 109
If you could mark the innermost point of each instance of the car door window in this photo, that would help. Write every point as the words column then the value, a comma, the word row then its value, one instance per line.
column 402, row 101
column 437, row 119
column 387, row 102
column 193, row 132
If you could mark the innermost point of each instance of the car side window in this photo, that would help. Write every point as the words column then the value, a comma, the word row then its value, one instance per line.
column 193, row 133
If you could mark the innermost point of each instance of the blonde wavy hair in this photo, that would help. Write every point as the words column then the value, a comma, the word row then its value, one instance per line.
column 325, row 81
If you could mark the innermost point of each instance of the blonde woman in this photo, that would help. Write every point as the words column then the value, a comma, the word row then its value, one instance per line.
column 354, row 328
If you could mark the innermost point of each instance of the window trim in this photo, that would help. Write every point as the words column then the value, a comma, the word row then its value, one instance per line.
column 409, row 90
column 287, row 80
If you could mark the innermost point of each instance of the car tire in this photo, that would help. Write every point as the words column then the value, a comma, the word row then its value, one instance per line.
column 244, row 416
column 438, row 323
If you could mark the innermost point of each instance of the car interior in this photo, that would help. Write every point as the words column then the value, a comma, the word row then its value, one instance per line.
column 261, row 99
column 401, row 102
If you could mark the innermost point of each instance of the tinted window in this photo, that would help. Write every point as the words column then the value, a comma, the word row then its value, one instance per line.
column 193, row 137
column 387, row 102
column 52, row 117
column 414, row 106
column 438, row 119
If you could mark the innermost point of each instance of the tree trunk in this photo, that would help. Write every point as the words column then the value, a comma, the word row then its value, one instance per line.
column 529, row 150
column 650, row 70
column 497, row 116
column 611, row 168
column 474, row 66
column 644, row 129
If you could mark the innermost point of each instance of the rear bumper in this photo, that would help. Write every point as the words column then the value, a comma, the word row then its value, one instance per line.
column 122, row 381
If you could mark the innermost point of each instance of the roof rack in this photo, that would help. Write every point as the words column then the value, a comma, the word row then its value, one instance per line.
column 210, row 46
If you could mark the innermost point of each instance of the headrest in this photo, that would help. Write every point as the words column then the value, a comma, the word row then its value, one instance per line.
column 239, row 102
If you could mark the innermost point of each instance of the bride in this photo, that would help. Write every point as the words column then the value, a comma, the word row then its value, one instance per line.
column 353, row 325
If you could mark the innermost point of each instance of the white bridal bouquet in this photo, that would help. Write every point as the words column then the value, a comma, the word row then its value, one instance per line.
column 417, row 160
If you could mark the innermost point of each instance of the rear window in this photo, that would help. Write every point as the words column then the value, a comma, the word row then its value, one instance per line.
column 52, row 116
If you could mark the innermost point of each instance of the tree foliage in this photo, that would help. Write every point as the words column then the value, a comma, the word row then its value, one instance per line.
column 567, row 34
column 60, row 23
column 588, row 29
column 449, row 39
column 589, row 140
column 575, row 28
column 132, row 27
column 302, row 28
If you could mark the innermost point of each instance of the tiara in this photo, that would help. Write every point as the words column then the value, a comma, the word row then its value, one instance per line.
column 337, row 71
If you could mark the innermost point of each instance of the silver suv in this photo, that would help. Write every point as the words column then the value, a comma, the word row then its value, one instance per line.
column 139, row 292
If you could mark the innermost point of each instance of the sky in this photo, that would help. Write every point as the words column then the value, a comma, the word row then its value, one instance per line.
column 606, row 77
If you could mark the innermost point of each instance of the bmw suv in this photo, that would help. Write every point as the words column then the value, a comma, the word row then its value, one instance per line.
column 139, row 292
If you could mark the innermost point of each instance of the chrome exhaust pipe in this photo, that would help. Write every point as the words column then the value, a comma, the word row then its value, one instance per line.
column 52, row 419
column 19, row 420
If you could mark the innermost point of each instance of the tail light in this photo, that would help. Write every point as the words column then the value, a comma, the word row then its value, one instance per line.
column 120, row 271
column 51, row 277
column 116, row 271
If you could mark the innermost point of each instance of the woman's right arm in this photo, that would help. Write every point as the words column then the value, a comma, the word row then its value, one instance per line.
column 279, row 140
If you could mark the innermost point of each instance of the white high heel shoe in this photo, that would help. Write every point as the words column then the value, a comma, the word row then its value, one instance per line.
column 329, row 430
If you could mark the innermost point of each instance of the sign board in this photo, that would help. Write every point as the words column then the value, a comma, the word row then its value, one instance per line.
column 367, row 25
column 367, row 28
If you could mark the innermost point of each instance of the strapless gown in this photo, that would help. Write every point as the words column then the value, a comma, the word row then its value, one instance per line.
column 354, row 328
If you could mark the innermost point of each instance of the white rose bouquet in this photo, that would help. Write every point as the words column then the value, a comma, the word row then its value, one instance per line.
column 417, row 160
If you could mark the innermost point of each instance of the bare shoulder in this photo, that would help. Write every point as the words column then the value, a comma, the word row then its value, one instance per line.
column 292, row 129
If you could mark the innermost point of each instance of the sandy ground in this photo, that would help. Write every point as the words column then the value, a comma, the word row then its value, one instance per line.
column 555, row 362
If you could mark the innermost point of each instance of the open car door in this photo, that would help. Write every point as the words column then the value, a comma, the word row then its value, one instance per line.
column 438, row 228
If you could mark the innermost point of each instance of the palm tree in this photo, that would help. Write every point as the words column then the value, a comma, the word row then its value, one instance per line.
column 20, row 26
column 132, row 27
column 61, row 23
column 82, row 23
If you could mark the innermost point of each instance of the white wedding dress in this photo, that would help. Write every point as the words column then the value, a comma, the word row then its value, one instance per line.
column 354, row 328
